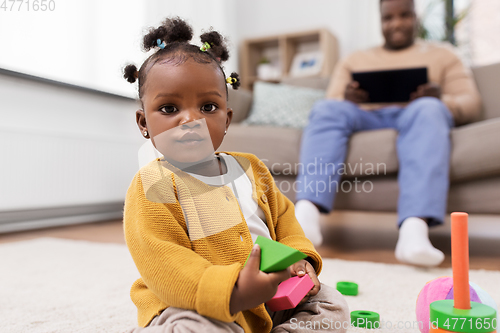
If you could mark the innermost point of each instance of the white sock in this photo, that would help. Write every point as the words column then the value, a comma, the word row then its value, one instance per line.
column 308, row 216
column 414, row 246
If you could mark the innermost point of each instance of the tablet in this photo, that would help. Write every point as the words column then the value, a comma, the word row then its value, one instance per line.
column 391, row 86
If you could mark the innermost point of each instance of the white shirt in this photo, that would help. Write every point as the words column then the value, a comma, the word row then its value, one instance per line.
column 237, row 180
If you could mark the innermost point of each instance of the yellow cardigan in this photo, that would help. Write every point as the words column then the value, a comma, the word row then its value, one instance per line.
column 197, row 269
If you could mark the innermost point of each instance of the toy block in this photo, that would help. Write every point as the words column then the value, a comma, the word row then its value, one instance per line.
column 474, row 317
column 347, row 288
column 290, row 293
column 365, row 319
column 477, row 319
column 275, row 256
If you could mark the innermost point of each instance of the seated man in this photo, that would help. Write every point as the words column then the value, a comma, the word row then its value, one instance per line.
column 450, row 98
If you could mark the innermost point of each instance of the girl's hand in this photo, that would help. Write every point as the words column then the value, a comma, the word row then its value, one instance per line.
column 253, row 286
column 301, row 268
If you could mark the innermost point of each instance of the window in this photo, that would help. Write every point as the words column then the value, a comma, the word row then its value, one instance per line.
column 82, row 42
column 476, row 34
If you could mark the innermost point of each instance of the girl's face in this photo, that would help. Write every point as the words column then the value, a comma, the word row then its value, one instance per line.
column 185, row 110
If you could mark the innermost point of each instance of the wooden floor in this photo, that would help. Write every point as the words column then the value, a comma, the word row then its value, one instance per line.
column 112, row 232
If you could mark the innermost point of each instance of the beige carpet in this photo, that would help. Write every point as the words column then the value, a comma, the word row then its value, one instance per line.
column 56, row 285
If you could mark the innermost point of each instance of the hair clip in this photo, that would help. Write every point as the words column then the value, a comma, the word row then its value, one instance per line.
column 205, row 47
column 160, row 44
column 231, row 80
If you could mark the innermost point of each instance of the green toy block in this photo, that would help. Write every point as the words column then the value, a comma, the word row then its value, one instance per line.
column 275, row 256
column 347, row 288
column 365, row 319
column 479, row 318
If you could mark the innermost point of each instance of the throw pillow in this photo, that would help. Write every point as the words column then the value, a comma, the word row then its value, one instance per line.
column 282, row 105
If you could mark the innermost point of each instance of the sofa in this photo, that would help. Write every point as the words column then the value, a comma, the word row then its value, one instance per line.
column 475, row 157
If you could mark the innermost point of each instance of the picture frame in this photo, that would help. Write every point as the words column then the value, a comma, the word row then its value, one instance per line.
column 306, row 64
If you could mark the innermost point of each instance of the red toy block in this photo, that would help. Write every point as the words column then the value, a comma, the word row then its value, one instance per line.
column 290, row 293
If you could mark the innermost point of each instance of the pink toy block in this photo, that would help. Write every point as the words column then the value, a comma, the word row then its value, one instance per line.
column 290, row 293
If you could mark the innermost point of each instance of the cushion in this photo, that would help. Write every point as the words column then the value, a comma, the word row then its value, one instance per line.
column 279, row 157
column 475, row 152
column 307, row 82
column 487, row 82
column 240, row 101
column 282, row 105
column 372, row 153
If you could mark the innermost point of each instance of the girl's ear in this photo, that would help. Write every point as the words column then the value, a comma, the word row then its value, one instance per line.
column 140, row 118
column 229, row 117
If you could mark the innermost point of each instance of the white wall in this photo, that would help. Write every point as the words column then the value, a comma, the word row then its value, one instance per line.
column 63, row 146
column 355, row 23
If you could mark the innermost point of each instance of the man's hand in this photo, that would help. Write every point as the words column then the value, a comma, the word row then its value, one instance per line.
column 302, row 267
column 355, row 94
column 428, row 89
column 253, row 286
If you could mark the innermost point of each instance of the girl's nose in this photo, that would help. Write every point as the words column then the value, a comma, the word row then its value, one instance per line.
column 190, row 118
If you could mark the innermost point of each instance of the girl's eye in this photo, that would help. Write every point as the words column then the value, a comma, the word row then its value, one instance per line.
column 168, row 109
column 209, row 107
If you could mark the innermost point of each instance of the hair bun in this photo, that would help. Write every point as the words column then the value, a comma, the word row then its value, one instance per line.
column 130, row 73
column 177, row 30
column 218, row 46
column 171, row 30
column 235, row 82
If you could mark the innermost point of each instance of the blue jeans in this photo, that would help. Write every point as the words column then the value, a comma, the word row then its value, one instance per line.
column 423, row 148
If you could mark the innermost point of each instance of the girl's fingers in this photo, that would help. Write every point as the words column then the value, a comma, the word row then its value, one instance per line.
column 299, row 268
column 312, row 274
column 254, row 260
column 280, row 276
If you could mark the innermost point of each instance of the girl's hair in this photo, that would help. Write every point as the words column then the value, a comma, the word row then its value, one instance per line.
column 171, row 41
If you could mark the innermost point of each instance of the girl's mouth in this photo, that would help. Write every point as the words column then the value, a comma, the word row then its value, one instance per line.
column 190, row 138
